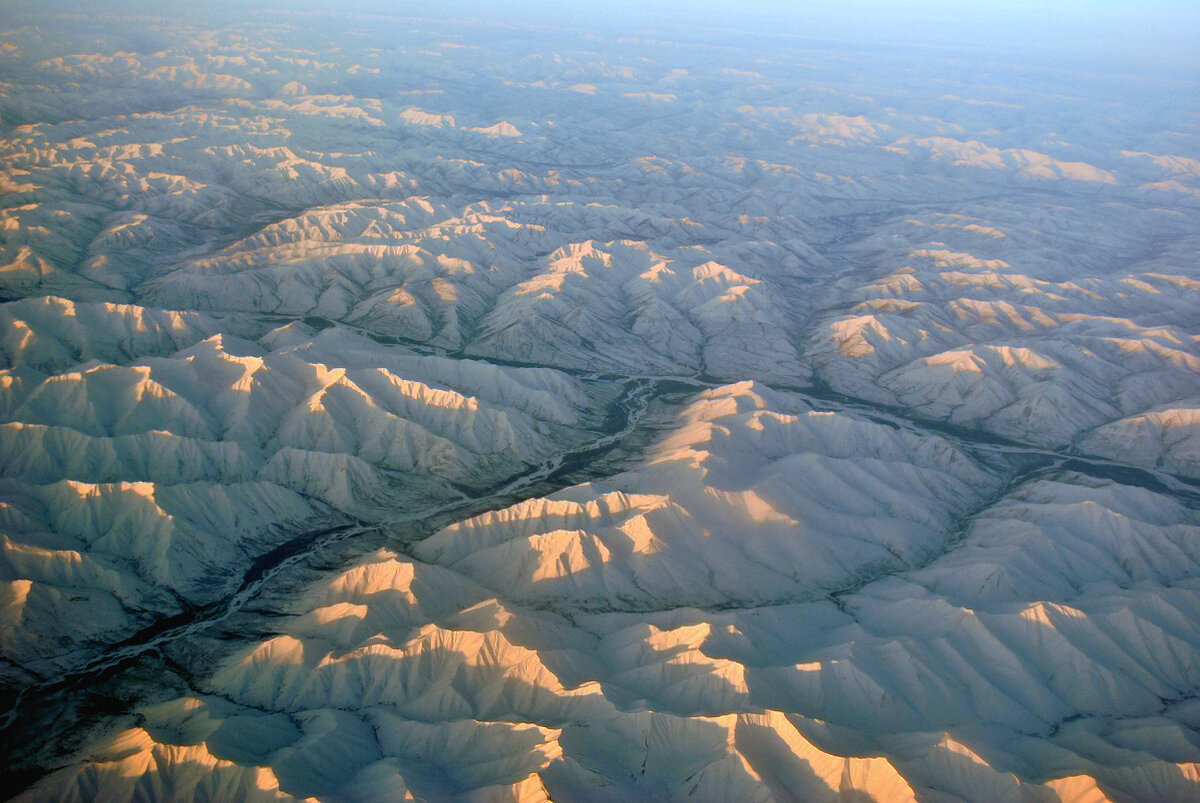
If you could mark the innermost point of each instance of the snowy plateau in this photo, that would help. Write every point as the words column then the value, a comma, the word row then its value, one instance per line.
column 397, row 406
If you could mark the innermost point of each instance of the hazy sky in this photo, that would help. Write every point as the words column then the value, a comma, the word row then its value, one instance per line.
column 1163, row 31
column 1156, row 32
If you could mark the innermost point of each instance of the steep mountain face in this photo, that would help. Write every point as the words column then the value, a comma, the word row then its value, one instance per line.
column 757, row 498
column 1051, row 355
column 776, row 602
column 132, row 490
column 415, row 408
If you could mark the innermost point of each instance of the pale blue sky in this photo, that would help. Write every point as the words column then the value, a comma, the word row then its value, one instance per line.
column 1163, row 31
column 1157, row 32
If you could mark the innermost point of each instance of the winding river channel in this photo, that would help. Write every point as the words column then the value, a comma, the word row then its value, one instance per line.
column 66, row 710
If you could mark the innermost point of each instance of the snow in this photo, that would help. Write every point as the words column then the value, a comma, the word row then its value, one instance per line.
column 642, row 416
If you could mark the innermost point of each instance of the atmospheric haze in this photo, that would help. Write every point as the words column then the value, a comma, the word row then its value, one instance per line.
column 600, row 401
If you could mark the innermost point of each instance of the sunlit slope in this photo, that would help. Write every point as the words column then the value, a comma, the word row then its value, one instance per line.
column 133, row 486
column 1030, row 643
column 488, row 280
column 891, row 356
column 1034, row 350
column 755, row 498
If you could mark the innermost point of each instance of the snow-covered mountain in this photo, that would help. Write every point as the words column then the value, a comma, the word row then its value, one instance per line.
column 435, row 407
